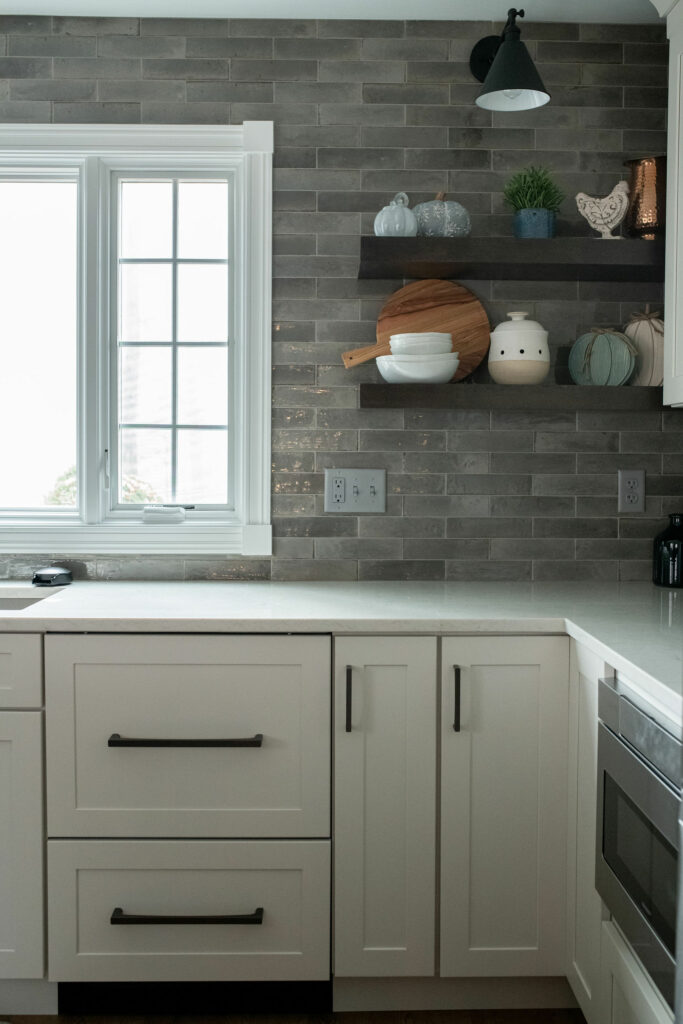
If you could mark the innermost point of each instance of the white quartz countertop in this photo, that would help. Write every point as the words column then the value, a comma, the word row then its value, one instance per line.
column 636, row 627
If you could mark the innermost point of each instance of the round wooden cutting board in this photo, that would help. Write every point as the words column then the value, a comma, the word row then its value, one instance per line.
column 444, row 306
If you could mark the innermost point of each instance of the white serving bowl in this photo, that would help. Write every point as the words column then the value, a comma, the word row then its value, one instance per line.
column 417, row 370
column 423, row 334
column 425, row 345
column 421, row 357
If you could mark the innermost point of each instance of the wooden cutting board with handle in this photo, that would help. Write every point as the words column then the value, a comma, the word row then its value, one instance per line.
column 431, row 305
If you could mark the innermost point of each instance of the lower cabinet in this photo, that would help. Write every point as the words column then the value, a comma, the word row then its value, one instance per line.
column 584, row 906
column 627, row 996
column 188, row 911
column 188, row 807
column 21, row 845
column 385, row 806
column 503, row 805
column 501, row 862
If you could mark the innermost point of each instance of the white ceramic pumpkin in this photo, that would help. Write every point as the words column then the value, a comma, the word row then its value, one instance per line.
column 396, row 220
column 646, row 331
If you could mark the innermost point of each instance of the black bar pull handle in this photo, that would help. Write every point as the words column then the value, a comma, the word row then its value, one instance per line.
column 349, row 696
column 119, row 917
column 116, row 740
column 456, row 712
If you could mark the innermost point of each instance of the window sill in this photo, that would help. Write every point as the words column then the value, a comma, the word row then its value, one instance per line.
column 136, row 538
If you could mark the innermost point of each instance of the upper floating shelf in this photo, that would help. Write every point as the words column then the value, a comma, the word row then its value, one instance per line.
column 519, row 259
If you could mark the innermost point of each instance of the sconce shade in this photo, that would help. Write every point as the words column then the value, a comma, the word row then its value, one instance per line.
column 512, row 83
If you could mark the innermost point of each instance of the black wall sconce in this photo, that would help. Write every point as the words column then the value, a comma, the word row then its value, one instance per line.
column 503, row 64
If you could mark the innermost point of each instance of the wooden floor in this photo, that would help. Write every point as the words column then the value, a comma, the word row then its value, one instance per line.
column 414, row 1017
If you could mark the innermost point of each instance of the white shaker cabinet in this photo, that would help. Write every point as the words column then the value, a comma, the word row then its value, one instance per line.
column 584, row 906
column 673, row 291
column 627, row 996
column 21, row 808
column 503, row 805
column 385, row 806
column 188, row 797
column 503, row 724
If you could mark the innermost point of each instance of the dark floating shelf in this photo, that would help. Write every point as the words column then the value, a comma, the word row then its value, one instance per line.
column 528, row 259
column 555, row 397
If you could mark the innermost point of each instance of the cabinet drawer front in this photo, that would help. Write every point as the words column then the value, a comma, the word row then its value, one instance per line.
column 21, row 670
column 89, row 881
column 188, row 736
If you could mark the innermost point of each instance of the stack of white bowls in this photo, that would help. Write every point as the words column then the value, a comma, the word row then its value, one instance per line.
column 423, row 358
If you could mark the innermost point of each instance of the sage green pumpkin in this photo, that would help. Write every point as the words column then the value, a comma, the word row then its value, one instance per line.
column 602, row 356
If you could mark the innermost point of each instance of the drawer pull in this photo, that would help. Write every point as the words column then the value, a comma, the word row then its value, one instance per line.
column 457, row 694
column 349, row 697
column 118, row 917
column 116, row 740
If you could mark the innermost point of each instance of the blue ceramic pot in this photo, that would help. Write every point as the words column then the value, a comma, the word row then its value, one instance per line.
column 534, row 224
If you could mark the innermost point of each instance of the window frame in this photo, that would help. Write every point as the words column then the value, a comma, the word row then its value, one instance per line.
column 96, row 153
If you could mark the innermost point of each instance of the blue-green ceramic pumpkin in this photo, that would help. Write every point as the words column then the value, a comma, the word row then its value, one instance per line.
column 602, row 357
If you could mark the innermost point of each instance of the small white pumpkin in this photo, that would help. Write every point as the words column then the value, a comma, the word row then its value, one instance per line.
column 440, row 218
column 646, row 331
column 396, row 220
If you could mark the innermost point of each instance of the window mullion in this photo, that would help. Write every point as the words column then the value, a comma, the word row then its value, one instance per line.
column 93, row 264
column 174, row 348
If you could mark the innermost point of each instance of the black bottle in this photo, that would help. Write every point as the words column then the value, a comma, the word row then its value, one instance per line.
column 667, row 556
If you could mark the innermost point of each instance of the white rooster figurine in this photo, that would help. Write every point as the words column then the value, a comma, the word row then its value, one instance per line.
column 606, row 213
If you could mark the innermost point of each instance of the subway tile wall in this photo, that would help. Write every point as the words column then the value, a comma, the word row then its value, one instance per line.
column 363, row 109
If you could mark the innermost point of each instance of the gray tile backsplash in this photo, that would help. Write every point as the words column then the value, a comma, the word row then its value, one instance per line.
column 363, row 109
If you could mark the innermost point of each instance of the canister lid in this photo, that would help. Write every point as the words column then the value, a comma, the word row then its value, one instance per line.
column 518, row 322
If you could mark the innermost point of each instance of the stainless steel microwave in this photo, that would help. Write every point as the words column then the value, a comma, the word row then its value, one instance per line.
column 637, row 839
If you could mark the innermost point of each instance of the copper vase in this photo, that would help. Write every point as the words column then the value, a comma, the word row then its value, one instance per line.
column 646, row 213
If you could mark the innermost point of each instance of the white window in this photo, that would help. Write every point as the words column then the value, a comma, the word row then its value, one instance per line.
column 135, row 298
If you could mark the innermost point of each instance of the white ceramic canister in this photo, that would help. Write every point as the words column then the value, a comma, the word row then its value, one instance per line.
column 519, row 351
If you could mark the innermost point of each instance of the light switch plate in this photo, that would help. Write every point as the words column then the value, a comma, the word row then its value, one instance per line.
column 355, row 490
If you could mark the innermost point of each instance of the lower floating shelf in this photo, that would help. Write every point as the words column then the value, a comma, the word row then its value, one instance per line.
column 559, row 397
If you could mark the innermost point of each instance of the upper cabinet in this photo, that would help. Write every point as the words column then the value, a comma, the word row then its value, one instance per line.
column 673, row 303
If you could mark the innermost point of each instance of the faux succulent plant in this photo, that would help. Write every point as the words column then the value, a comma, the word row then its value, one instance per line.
column 533, row 188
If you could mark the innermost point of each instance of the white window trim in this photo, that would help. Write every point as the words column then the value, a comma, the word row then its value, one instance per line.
column 246, row 149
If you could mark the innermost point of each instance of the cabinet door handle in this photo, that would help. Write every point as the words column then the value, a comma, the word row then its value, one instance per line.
column 119, row 917
column 116, row 740
column 456, row 712
column 349, row 696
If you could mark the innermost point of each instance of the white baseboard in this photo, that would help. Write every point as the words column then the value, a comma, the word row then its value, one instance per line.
column 32, row 998
column 368, row 994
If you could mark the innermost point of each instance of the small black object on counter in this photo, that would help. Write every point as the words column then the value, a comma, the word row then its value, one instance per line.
column 52, row 576
column 667, row 556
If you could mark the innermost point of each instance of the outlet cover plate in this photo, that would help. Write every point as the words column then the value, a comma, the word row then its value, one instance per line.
column 631, row 491
column 355, row 490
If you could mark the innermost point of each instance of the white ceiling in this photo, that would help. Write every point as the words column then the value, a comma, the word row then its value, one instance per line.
column 625, row 11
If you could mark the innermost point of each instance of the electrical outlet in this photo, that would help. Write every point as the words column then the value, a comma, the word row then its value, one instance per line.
column 355, row 490
column 338, row 490
column 631, row 490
